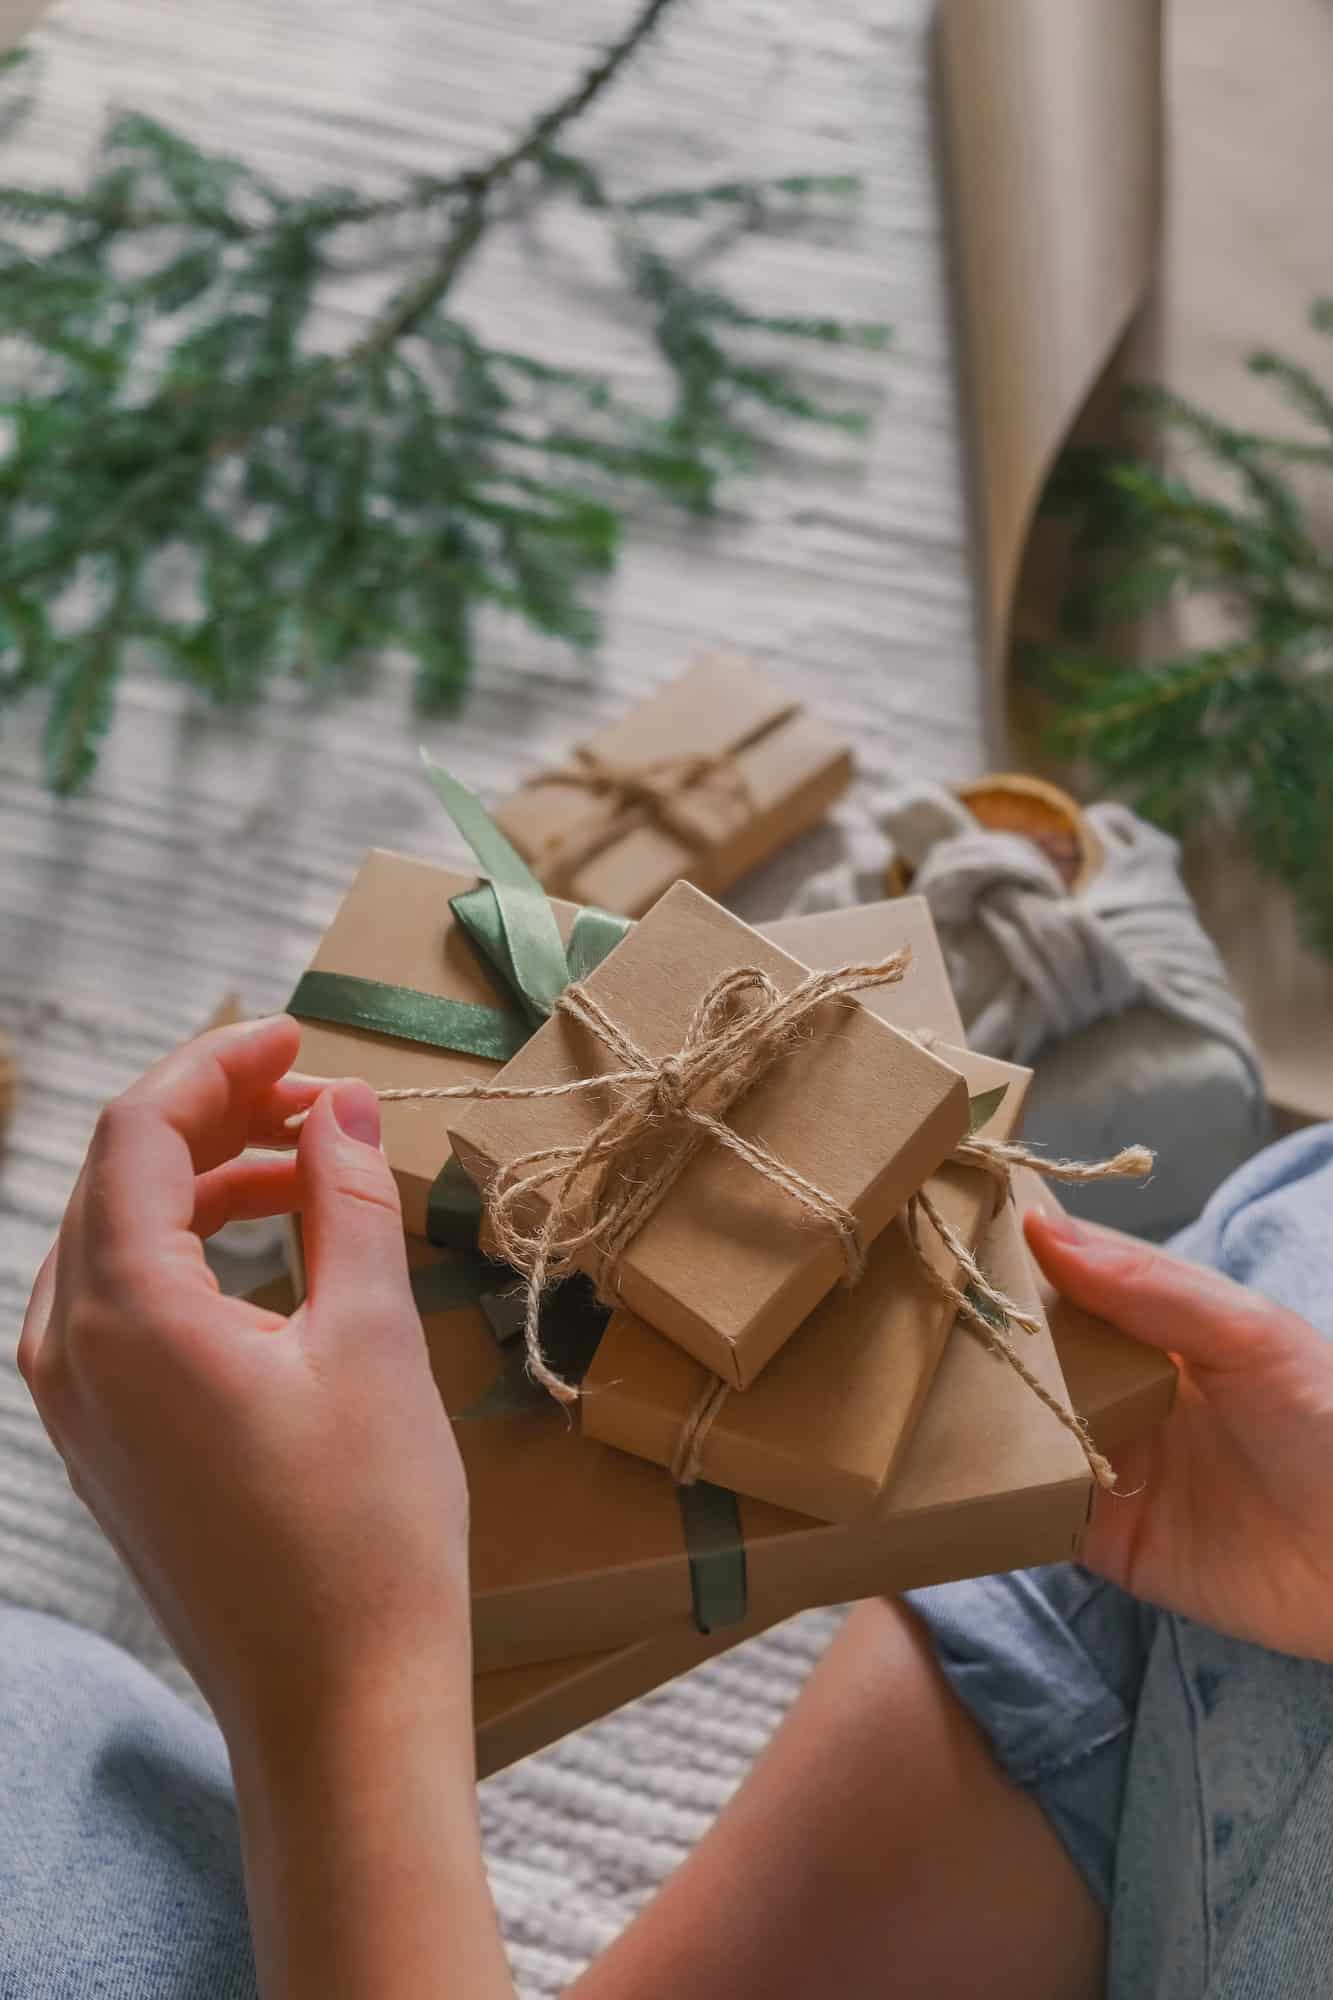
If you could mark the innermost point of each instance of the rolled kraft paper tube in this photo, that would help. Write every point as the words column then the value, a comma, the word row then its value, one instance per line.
column 1140, row 194
column 1055, row 135
column 16, row 18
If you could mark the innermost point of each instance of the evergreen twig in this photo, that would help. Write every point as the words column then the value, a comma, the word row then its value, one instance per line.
column 167, row 416
column 1240, row 730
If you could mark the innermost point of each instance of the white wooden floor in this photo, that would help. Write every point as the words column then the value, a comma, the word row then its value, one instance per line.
column 209, row 853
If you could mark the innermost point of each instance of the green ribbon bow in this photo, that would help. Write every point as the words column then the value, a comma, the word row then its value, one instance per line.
column 509, row 921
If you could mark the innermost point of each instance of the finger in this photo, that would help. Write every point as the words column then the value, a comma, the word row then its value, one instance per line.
column 269, row 1114
column 244, row 1190
column 1200, row 1315
column 38, row 1316
column 356, row 1257
column 210, row 1091
column 188, row 1114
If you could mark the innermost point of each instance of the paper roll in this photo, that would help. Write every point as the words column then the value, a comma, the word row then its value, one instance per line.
column 1148, row 186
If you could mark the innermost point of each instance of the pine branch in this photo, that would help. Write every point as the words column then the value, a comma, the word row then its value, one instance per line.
column 1241, row 730
column 319, row 505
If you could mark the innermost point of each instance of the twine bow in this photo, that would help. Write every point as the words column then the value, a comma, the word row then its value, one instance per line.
column 602, row 1190
column 629, row 795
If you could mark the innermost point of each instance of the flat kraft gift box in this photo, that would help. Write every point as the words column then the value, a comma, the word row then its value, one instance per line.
column 577, row 1547
column 1122, row 1388
column 702, row 782
column 822, row 1429
column 728, row 1264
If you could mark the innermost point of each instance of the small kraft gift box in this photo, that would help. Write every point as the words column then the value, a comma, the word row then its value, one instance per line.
column 702, row 782
column 760, row 1148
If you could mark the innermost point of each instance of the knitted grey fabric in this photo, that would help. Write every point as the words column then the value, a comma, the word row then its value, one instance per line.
column 1117, row 994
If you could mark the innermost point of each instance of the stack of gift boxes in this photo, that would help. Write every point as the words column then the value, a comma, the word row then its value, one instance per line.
column 778, row 1404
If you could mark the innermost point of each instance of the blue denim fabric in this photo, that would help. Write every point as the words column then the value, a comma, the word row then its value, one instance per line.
column 120, row 1870
column 1190, row 1777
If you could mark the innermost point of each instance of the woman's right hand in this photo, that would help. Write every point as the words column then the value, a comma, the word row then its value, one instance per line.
column 1225, row 1513
column 287, row 1492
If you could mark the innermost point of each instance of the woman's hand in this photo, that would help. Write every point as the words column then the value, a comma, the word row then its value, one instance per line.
column 1227, row 1514
column 286, row 1492
column 290, row 1499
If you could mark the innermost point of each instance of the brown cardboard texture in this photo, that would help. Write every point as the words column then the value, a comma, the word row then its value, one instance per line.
column 922, row 999
column 822, row 1428
column 728, row 1265
column 519, row 1710
column 576, row 1546
column 1121, row 1387
column 785, row 770
column 395, row 924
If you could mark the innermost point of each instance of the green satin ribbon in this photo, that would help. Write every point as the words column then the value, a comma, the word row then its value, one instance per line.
column 536, row 954
column 347, row 1001
column 512, row 927
column 594, row 934
column 710, row 1518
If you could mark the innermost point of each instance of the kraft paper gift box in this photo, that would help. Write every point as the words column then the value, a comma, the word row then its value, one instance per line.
column 1122, row 1388
column 577, row 1547
column 728, row 1265
column 738, row 768
column 395, row 925
column 822, row 1428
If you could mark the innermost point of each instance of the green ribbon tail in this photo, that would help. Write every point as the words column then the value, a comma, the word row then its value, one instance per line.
column 594, row 934
column 345, row 1000
column 710, row 1518
column 536, row 949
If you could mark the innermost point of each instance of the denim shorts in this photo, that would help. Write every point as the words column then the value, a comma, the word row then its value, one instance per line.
column 1188, row 1776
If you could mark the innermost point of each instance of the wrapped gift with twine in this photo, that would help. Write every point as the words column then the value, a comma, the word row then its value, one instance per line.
column 504, row 919
column 823, row 1427
column 711, row 1131
column 702, row 782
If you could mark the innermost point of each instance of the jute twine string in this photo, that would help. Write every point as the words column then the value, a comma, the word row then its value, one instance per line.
column 981, row 1306
column 627, row 795
column 602, row 1189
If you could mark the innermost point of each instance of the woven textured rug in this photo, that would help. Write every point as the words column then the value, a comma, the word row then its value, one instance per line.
column 210, row 853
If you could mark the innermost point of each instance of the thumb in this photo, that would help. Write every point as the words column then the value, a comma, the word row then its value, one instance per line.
column 1210, row 1321
column 356, row 1257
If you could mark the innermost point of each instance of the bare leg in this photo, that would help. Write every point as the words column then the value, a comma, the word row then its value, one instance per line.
column 876, row 1852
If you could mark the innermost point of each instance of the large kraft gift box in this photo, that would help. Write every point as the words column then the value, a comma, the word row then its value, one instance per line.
column 578, row 1547
column 727, row 1265
column 1122, row 1388
column 734, row 769
column 822, row 1428
column 396, row 926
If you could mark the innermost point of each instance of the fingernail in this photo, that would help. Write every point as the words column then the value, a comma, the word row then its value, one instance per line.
column 1064, row 1228
column 357, row 1110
